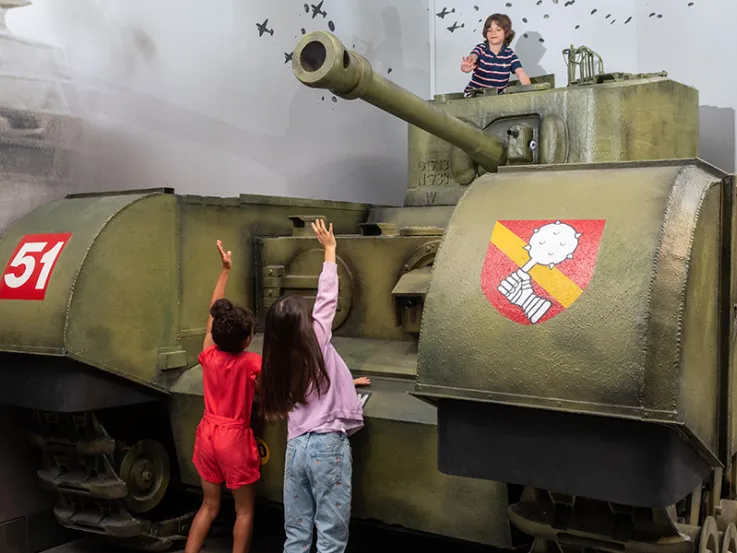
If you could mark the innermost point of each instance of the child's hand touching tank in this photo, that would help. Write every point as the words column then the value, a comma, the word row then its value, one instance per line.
column 362, row 381
column 224, row 257
column 326, row 238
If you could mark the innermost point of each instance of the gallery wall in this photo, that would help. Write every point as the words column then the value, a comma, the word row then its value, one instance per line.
column 199, row 98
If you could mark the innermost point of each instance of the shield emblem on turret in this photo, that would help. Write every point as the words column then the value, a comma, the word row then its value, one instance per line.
column 536, row 269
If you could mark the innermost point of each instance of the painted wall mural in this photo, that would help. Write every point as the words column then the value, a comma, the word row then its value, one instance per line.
column 174, row 94
column 630, row 35
column 177, row 94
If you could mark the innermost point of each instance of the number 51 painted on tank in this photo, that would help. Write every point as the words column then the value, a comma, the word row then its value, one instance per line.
column 28, row 272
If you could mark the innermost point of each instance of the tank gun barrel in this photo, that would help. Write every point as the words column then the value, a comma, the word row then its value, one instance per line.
column 321, row 61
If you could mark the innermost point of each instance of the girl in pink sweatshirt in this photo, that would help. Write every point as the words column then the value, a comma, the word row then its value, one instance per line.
column 306, row 381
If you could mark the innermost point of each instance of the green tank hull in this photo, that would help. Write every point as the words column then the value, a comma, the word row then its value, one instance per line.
column 117, row 334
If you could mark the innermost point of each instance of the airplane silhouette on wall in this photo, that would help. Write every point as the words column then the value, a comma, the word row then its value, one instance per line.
column 445, row 12
column 262, row 28
column 317, row 10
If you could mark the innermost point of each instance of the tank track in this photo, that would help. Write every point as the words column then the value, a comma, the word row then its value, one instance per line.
column 81, row 464
column 700, row 523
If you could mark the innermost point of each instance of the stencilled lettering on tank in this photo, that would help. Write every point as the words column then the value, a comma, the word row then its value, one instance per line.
column 363, row 398
column 434, row 172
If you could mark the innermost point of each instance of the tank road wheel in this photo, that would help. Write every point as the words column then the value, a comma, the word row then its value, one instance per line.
column 146, row 470
column 709, row 540
column 729, row 540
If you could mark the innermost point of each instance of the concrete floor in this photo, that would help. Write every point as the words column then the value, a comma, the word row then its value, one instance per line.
column 215, row 545
column 224, row 544
column 269, row 538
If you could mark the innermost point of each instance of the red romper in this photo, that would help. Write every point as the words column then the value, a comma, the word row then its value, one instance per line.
column 225, row 449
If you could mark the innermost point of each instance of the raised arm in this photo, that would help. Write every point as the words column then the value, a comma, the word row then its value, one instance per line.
column 218, row 292
column 326, row 301
column 516, row 68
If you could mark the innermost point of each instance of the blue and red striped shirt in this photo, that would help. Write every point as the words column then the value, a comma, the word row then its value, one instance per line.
column 492, row 70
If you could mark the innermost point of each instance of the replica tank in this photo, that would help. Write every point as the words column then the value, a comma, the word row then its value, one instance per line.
column 102, row 324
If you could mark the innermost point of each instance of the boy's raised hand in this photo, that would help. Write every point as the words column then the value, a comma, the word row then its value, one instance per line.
column 468, row 64
column 224, row 257
column 324, row 235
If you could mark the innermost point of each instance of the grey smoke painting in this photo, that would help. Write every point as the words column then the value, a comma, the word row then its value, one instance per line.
column 218, row 112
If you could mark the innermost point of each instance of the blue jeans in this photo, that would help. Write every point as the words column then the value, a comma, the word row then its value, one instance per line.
column 317, row 492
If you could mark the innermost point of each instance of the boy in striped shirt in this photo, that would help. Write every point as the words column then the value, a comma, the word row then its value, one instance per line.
column 493, row 60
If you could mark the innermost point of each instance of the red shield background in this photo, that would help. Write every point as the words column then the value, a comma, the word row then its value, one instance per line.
column 498, row 266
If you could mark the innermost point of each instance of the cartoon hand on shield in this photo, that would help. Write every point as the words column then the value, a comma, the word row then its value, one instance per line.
column 550, row 245
column 517, row 288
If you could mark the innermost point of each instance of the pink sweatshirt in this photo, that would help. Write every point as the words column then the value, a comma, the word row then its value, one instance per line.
column 338, row 409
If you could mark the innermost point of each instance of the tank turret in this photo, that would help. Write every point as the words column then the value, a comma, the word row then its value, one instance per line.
column 452, row 140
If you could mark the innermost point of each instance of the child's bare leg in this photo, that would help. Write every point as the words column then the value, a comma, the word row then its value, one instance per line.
column 245, row 502
column 205, row 517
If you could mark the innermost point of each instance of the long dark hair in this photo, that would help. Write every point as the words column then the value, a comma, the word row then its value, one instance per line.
column 232, row 326
column 293, row 365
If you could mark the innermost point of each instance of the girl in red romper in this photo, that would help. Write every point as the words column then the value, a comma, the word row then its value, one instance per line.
column 225, row 449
